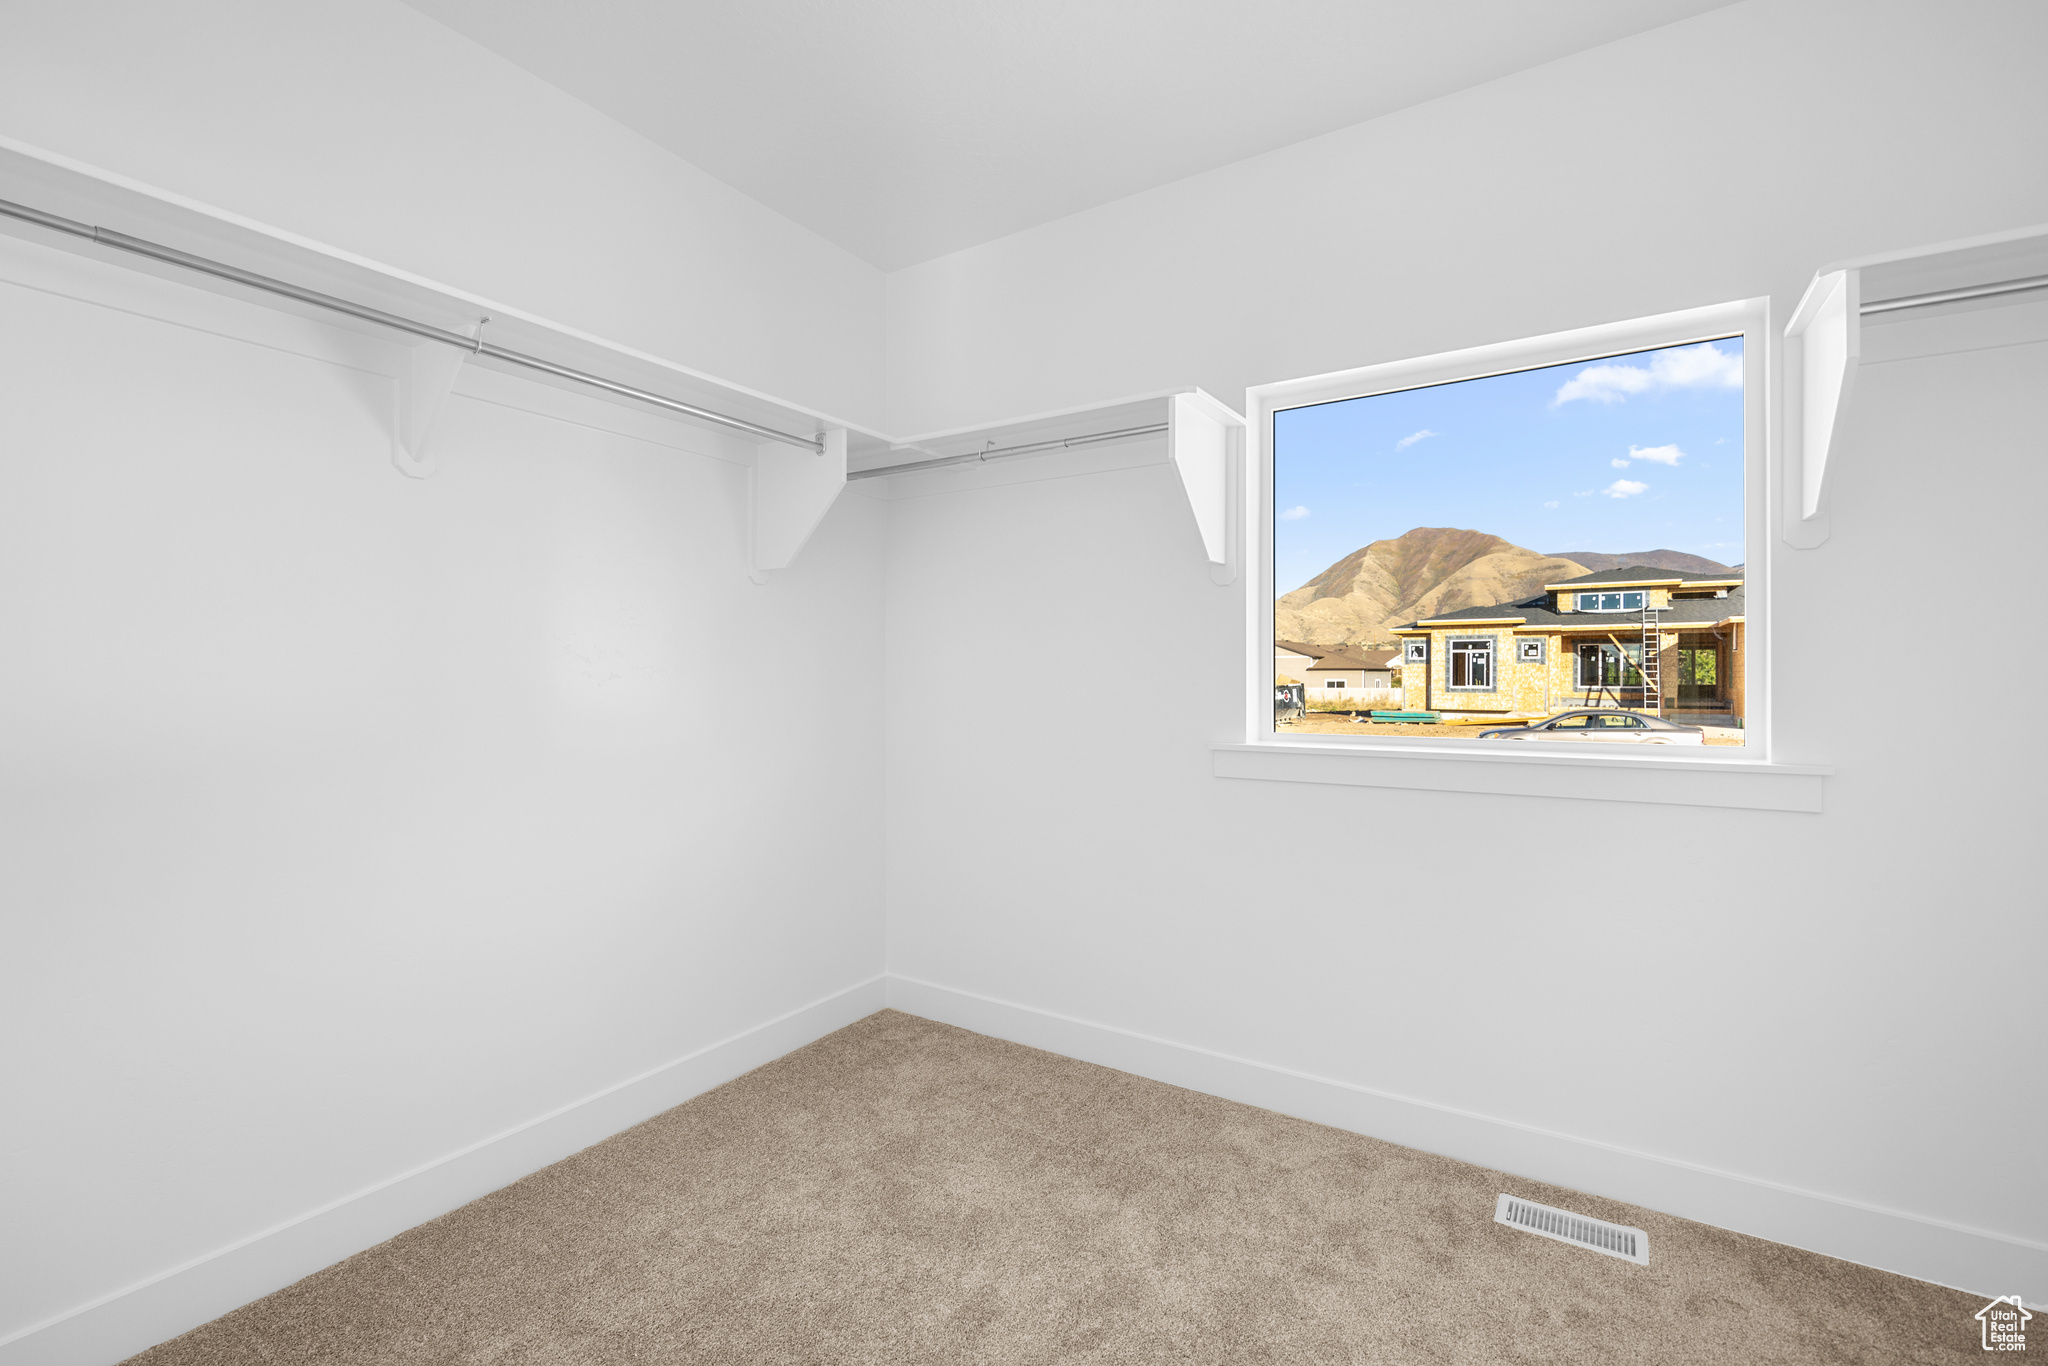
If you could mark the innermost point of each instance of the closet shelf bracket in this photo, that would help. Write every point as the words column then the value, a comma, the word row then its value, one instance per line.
column 424, row 383
column 1205, row 442
column 790, row 490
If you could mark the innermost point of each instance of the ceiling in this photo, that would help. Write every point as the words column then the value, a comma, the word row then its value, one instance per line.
column 907, row 129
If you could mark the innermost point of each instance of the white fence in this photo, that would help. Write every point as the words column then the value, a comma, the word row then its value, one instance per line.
column 1381, row 696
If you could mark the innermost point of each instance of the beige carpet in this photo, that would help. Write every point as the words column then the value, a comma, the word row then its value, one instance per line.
column 908, row 1193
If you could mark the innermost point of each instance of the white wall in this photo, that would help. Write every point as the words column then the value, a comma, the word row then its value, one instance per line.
column 361, row 830
column 1719, row 158
column 370, row 127
column 353, row 820
column 1817, row 1008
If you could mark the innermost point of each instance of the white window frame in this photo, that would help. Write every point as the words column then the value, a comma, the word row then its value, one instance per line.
column 1641, row 595
column 1752, row 776
column 1464, row 645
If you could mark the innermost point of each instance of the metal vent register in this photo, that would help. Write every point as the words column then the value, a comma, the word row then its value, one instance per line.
column 1597, row 1235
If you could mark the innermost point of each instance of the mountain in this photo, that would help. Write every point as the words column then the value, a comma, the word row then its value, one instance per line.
column 1428, row 570
column 1654, row 559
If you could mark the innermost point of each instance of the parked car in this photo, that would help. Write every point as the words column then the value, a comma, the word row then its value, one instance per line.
column 1602, row 726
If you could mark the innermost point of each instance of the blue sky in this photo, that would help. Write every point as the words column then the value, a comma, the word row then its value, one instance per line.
column 1635, row 452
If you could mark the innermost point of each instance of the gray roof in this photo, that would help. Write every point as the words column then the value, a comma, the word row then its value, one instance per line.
column 1642, row 573
column 1695, row 612
column 1312, row 651
column 1348, row 659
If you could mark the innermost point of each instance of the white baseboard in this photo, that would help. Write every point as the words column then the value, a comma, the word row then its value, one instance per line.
column 184, row 1297
column 1969, row 1259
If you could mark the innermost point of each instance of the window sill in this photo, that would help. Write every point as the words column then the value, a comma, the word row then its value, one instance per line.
column 1742, row 783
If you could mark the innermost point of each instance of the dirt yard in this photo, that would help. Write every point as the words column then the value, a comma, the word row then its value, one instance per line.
column 1327, row 724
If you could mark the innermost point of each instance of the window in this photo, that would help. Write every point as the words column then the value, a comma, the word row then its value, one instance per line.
column 1472, row 663
column 1699, row 679
column 1376, row 493
column 1334, row 683
column 1604, row 666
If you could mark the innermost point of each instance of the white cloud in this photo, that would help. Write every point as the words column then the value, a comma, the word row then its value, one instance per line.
column 1618, row 463
column 1624, row 488
column 1705, row 366
column 1603, row 384
column 1405, row 442
column 1551, row 504
column 1294, row 514
column 1662, row 455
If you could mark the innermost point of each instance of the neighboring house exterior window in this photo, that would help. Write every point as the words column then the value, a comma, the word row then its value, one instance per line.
column 1610, row 602
column 1416, row 652
column 1471, row 664
column 1699, row 668
column 1601, row 665
column 1334, row 683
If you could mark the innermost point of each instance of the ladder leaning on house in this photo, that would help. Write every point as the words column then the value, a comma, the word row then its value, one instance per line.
column 1652, row 665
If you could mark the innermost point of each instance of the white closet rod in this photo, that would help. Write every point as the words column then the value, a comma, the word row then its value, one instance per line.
column 1034, row 448
column 172, row 256
column 1947, row 296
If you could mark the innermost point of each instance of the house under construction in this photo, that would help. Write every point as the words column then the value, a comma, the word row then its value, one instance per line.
column 1654, row 640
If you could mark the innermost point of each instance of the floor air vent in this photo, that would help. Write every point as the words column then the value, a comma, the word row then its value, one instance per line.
column 1597, row 1235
